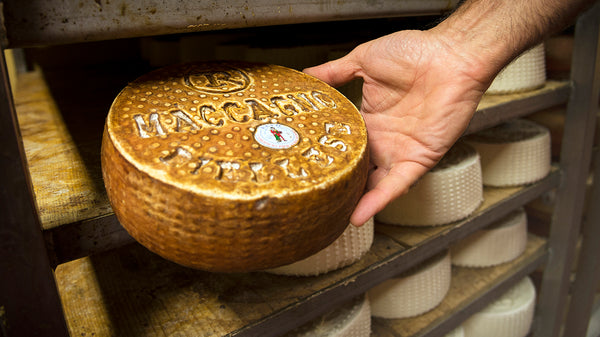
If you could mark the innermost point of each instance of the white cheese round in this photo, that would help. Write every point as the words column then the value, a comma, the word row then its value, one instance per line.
column 514, row 153
column 509, row 316
column 352, row 245
column 526, row 72
column 458, row 332
column 501, row 242
column 352, row 320
column 449, row 192
column 413, row 293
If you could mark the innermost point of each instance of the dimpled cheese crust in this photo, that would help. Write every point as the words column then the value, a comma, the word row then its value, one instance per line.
column 345, row 250
column 449, row 192
column 510, row 315
column 413, row 293
column 526, row 72
column 351, row 320
column 513, row 153
column 503, row 241
column 230, row 166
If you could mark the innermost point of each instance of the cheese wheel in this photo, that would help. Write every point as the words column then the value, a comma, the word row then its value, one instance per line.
column 449, row 192
column 503, row 241
column 526, row 72
column 345, row 250
column 513, row 153
column 352, row 320
column 510, row 315
column 413, row 293
column 458, row 332
column 233, row 166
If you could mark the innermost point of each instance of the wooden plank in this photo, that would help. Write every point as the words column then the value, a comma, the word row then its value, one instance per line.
column 467, row 295
column 66, row 186
column 130, row 291
column 494, row 109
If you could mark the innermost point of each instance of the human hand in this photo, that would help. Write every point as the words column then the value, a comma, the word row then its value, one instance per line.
column 419, row 94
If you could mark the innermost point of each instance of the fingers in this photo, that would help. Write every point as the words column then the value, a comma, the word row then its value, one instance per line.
column 385, row 187
column 336, row 72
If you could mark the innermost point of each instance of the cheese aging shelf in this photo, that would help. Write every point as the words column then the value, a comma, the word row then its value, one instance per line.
column 61, row 240
column 74, row 232
column 83, row 223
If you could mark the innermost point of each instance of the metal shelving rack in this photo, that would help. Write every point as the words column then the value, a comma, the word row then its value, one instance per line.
column 29, row 289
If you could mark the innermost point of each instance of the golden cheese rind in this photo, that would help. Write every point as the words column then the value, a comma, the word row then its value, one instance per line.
column 190, row 177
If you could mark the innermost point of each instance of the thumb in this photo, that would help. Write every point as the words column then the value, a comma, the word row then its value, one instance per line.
column 336, row 72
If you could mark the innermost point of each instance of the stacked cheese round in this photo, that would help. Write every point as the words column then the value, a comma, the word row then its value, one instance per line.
column 345, row 250
column 413, row 293
column 501, row 242
column 450, row 191
column 352, row 320
column 513, row 153
column 233, row 166
column 509, row 316
column 526, row 72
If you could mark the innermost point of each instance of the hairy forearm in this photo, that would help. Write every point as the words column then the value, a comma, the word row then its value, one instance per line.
column 493, row 32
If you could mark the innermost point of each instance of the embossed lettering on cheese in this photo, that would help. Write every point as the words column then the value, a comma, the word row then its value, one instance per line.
column 233, row 111
column 234, row 134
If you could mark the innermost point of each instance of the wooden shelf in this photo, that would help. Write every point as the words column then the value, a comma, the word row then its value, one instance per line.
column 131, row 291
column 61, row 127
column 257, row 304
column 494, row 109
column 470, row 290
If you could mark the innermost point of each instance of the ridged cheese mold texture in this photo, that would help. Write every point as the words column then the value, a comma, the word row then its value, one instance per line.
column 514, row 153
column 449, row 192
column 526, row 72
column 350, row 247
column 503, row 241
column 510, row 315
column 413, row 293
column 352, row 320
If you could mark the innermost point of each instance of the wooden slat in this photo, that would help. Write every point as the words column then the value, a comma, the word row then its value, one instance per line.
column 468, row 291
column 67, row 188
column 494, row 109
column 132, row 292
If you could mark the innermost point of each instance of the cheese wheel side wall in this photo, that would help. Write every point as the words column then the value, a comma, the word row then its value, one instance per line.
column 348, row 248
column 412, row 294
column 220, row 239
column 439, row 198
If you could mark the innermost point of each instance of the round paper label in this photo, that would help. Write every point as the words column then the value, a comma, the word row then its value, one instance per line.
column 276, row 136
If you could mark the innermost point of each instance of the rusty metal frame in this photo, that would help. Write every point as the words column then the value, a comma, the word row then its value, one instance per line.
column 575, row 164
column 41, row 22
column 587, row 275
